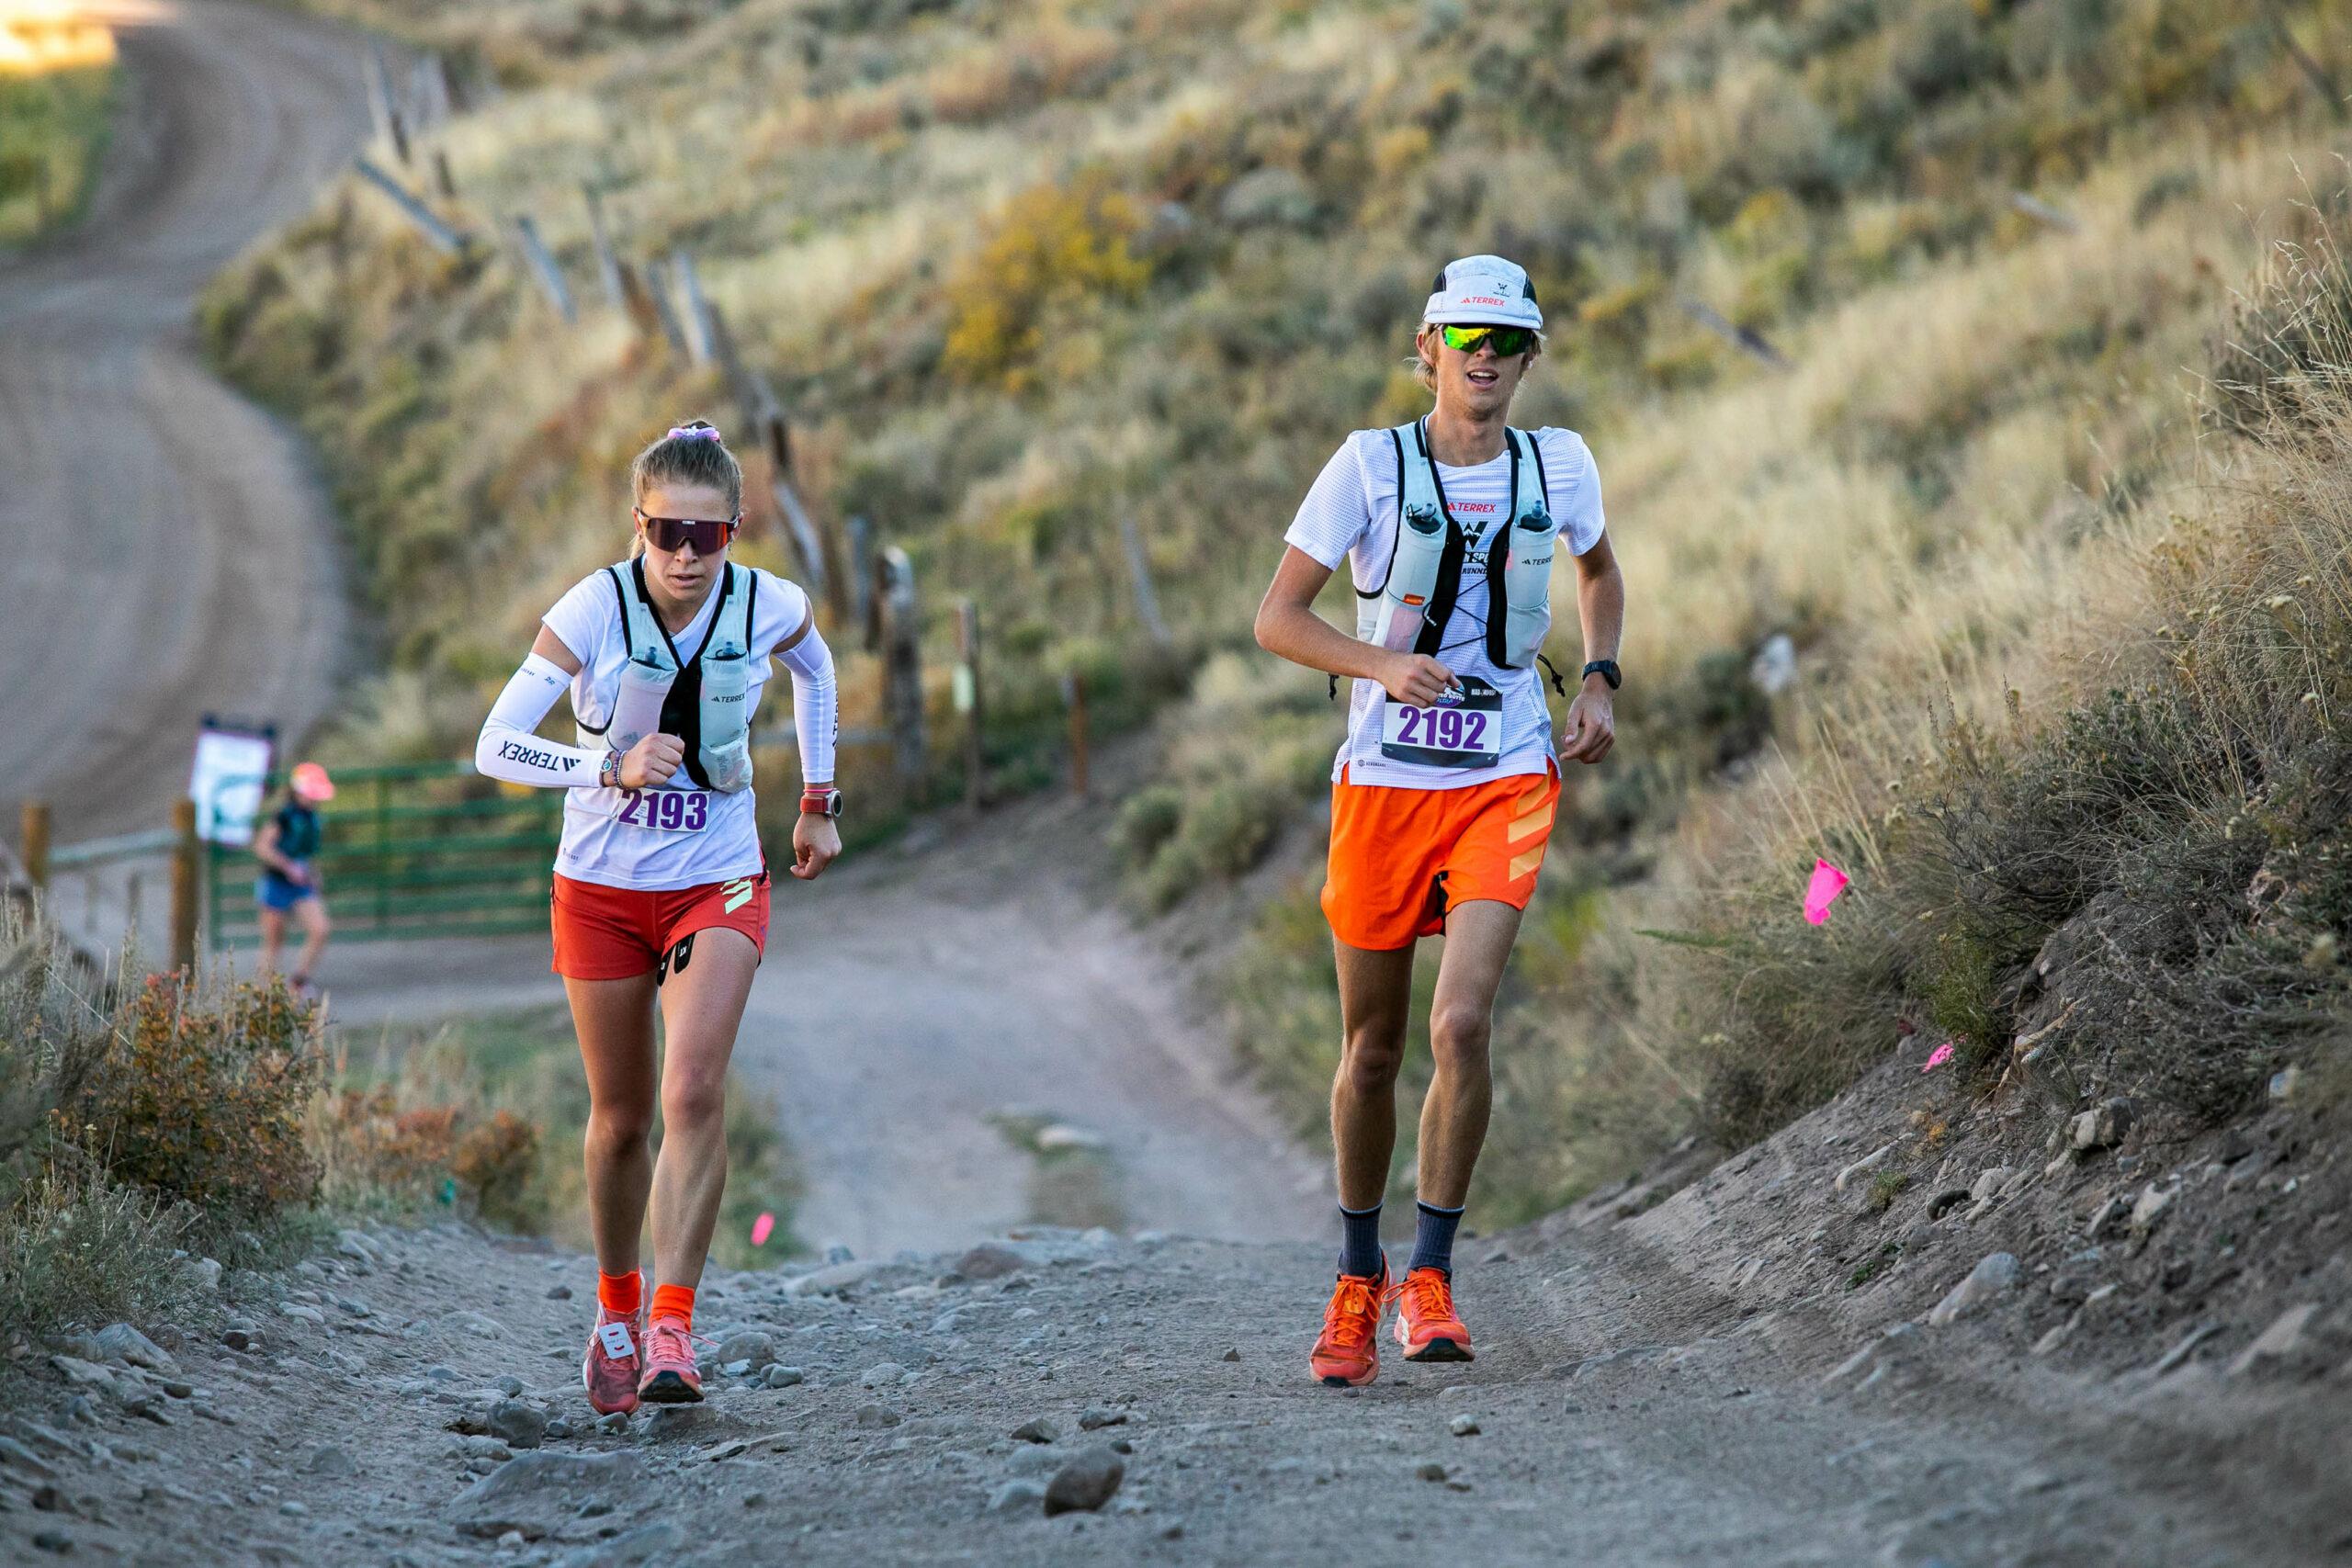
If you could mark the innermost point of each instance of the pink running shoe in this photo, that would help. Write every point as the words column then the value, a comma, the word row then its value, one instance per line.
column 670, row 1375
column 615, row 1357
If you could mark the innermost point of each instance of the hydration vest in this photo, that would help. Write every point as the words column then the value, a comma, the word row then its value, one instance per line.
column 1415, row 599
column 703, row 701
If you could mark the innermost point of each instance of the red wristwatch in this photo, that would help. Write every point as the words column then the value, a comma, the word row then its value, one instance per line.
column 820, row 800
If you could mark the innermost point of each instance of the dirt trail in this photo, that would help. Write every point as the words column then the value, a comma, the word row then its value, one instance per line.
column 1621, row 1417
column 916, row 1011
column 168, row 553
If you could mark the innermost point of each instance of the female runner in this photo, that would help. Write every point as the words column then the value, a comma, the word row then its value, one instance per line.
column 660, row 888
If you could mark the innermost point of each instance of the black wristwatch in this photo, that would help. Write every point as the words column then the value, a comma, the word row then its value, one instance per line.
column 1607, row 670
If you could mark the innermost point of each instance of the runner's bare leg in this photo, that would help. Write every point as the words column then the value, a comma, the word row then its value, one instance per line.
column 701, row 1010
column 615, row 1022
column 1375, row 997
column 1478, row 937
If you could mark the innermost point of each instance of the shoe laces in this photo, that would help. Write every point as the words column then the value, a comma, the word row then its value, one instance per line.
column 669, row 1340
column 1428, row 1294
column 1354, row 1312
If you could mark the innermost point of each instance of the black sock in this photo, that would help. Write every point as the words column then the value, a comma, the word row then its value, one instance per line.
column 1360, row 1242
column 1433, row 1239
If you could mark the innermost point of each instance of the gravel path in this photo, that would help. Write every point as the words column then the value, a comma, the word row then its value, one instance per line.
column 1619, row 1418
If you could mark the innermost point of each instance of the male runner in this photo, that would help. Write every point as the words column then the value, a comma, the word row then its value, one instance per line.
column 1443, row 793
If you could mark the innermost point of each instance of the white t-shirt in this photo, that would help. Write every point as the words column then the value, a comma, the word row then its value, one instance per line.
column 1352, row 512
column 598, row 845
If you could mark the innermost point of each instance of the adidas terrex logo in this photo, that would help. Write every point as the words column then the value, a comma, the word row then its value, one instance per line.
column 515, row 751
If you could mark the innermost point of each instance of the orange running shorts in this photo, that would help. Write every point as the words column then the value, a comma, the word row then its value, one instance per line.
column 1402, row 858
column 612, row 934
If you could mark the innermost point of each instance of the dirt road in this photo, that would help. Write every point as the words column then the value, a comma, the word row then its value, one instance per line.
column 168, row 553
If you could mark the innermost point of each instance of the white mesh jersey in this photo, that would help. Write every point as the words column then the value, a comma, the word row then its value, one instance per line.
column 1351, row 513
column 598, row 846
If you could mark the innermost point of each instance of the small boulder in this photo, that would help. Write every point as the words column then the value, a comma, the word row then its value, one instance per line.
column 2150, row 1208
column 2105, row 1124
column 1086, row 1483
column 1990, row 1183
column 516, row 1423
column 329, row 1461
column 1098, row 1417
column 783, row 1377
column 748, row 1345
column 1996, row 1273
column 881, row 1374
column 120, row 1342
column 990, row 1261
column 2281, row 1339
column 1041, row 1430
column 537, row 1494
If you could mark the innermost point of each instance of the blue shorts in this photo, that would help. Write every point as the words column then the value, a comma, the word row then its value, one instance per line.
column 272, row 891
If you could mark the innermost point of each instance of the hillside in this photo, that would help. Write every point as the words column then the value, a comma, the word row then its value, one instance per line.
column 1020, row 271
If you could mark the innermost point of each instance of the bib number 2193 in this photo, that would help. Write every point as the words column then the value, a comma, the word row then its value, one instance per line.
column 1466, row 732
column 665, row 810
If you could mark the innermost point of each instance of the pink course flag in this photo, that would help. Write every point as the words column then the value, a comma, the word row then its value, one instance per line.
column 1821, row 891
column 762, row 1228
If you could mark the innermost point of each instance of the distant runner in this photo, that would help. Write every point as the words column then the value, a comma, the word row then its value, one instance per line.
column 288, row 847
column 1443, row 793
column 659, row 877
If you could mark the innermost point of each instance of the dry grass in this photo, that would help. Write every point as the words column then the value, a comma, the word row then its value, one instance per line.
column 1984, row 421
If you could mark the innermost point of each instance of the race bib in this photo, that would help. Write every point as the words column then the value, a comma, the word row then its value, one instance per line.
column 664, row 810
column 1461, row 732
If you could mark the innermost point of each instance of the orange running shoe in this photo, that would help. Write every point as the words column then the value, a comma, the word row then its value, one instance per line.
column 670, row 1374
column 614, row 1359
column 1426, row 1324
column 1347, row 1353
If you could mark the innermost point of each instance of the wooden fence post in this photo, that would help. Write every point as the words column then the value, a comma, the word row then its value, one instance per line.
column 1074, row 695
column 657, row 293
column 969, row 703
column 860, row 576
column 902, row 668
column 383, row 108
column 183, row 884
column 608, row 266
column 1139, row 569
column 443, row 237
column 543, row 268
column 33, row 824
column 697, row 314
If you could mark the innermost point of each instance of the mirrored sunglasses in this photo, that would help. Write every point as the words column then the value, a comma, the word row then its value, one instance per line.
column 672, row 533
column 1508, row 341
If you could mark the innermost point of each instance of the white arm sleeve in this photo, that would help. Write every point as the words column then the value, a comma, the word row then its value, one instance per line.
column 508, row 750
column 816, row 714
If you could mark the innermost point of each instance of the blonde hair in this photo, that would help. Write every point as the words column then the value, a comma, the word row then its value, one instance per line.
column 687, row 456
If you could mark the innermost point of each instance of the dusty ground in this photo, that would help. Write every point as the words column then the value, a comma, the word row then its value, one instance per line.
column 1626, row 1412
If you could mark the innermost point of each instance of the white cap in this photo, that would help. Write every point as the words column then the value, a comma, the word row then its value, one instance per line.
column 1483, row 289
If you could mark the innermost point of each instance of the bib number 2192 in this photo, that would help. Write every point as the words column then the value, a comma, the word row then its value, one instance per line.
column 665, row 810
column 1466, row 732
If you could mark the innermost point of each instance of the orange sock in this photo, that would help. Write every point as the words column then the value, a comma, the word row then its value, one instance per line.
column 673, row 1301
column 619, row 1293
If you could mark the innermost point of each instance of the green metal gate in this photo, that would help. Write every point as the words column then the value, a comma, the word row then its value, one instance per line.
column 430, row 849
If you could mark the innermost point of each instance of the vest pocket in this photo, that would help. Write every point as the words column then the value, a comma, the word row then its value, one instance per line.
column 726, row 753
column 1527, row 584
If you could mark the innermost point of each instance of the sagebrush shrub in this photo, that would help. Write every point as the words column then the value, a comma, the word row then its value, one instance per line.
column 201, row 1098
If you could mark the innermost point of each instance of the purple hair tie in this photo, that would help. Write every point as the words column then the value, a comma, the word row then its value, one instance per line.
column 691, row 432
